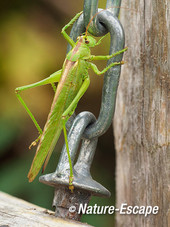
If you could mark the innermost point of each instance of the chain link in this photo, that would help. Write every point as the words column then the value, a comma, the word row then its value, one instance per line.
column 91, row 8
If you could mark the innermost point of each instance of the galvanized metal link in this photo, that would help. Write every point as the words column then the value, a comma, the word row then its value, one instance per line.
column 90, row 10
column 111, row 77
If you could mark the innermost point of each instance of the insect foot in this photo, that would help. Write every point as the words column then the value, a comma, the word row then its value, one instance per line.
column 63, row 117
column 34, row 143
column 71, row 187
column 17, row 91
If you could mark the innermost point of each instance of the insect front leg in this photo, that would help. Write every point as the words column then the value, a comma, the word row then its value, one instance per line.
column 55, row 77
column 100, row 40
column 66, row 36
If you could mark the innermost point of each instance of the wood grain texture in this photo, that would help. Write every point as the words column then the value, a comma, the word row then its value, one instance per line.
column 15, row 212
column 141, row 118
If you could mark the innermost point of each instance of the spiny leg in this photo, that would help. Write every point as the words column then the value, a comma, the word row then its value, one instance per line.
column 66, row 36
column 55, row 77
column 107, row 57
column 98, row 72
column 53, row 87
column 67, row 113
column 71, row 187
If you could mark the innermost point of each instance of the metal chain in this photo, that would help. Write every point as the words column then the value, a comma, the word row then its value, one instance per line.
column 111, row 77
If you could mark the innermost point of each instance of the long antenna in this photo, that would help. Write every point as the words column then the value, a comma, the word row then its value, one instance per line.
column 106, row 9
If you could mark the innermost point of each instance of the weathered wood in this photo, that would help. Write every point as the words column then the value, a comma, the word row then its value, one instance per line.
column 15, row 212
column 141, row 118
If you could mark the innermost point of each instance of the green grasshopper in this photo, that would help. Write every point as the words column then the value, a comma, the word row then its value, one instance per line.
column 73, row 80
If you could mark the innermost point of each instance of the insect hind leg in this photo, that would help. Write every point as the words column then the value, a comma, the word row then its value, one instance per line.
column 71, row 187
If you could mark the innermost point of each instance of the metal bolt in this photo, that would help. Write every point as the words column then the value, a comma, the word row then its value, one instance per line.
column 84, row 185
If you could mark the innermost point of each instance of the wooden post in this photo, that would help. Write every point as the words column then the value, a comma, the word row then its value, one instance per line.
column 19, row 213
column 141, row 118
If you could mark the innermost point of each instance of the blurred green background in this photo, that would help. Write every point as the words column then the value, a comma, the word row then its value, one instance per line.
column 31, row 48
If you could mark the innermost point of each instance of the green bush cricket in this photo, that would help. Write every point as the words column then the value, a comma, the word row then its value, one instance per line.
column 73, row 80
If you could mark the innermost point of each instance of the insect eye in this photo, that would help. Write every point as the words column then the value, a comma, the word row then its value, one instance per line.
column 86, row 41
